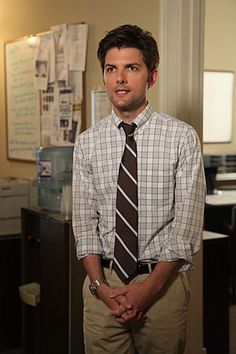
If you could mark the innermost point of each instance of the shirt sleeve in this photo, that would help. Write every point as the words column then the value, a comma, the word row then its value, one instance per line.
column 184, row 235
column 85, row 213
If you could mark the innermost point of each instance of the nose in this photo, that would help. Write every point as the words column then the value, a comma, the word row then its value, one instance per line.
column 121, row 78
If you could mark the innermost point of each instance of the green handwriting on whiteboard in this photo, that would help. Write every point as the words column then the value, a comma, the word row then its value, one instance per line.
column 22, row 101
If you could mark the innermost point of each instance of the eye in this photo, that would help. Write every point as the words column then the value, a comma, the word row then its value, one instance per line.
column 132, row 67
column 109, row 69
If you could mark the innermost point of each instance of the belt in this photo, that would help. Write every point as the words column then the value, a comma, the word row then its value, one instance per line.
column 143, row 268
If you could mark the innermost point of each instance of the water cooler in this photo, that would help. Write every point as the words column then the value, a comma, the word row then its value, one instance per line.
column 54, row 178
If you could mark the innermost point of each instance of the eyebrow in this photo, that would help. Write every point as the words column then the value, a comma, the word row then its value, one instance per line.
column 126, row 65
column 108, row 65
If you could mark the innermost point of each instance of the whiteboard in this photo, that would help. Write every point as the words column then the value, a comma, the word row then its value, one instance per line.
column 22, row 101
column 217, row 106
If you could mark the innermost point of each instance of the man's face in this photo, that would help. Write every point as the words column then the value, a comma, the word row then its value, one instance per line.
column 126, row 79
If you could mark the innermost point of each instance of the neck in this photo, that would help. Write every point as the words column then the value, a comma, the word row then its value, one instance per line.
column 128, row 116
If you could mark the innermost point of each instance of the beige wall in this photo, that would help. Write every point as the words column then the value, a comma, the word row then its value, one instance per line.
column 23, row 17
column 220, row 54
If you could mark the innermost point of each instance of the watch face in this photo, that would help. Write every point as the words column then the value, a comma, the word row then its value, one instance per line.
column 93, row 286
column 93, row 289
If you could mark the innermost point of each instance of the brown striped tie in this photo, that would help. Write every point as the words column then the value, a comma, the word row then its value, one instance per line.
column 126, row 240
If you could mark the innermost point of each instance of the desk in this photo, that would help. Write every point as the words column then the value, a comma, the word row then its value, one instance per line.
column 222, row 197
column 215, row 293
column 209, row 235
column 227, row 180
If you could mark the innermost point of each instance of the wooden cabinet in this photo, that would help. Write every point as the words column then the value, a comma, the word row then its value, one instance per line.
column 215, row 294
column 216, row 279
column 10, row 307
column 218, row 218
column 49, row 258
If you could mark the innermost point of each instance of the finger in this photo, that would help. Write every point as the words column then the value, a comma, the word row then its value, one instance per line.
column 131, row 315
column 121, row 300
column 118, row 292
column 118, row 311
column 140, row 315
column 120, row 320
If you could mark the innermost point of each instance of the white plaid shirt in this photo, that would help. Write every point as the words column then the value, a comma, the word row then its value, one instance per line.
column 171, row 188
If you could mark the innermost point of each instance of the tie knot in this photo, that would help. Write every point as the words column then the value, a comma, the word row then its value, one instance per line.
column 128, row 128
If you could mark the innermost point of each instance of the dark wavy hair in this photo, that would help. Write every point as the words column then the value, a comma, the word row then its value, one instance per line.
column 130, row 36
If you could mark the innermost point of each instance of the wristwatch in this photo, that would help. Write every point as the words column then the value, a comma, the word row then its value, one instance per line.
column 95, row 284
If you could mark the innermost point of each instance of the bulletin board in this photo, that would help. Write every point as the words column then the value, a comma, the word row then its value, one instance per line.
column 45, row 107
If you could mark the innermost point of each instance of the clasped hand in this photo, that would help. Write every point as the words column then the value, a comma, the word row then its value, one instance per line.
column 127, row 303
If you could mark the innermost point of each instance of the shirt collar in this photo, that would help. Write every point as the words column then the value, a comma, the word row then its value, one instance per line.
column 140, row 120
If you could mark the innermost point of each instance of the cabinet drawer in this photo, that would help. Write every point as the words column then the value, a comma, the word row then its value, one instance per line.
column 10, row 226
column 11, row 206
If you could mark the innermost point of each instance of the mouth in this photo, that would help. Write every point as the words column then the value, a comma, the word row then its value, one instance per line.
column 121, row 90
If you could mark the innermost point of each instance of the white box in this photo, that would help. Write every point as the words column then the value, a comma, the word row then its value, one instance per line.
column 14, row 194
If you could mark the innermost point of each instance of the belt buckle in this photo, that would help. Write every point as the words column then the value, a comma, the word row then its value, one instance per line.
column 111, row 265
column 149, row 268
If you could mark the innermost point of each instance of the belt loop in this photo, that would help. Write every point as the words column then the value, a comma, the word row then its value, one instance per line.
column 149, row 268
column 110, row 265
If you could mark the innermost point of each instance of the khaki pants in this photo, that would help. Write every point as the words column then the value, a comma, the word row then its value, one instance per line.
column 161, row 331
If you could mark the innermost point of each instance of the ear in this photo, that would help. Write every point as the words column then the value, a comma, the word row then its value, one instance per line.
column 152, row 78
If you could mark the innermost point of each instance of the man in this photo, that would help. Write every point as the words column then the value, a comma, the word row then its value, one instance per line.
column 143, row 309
